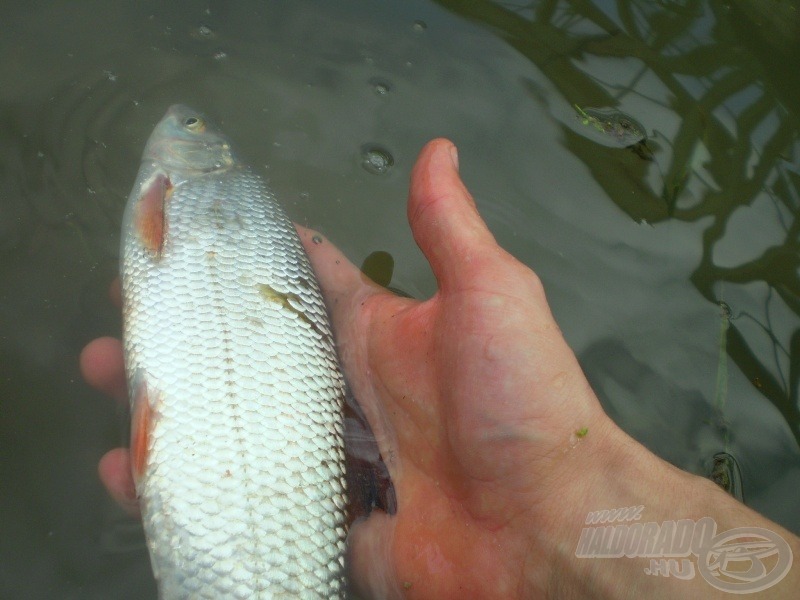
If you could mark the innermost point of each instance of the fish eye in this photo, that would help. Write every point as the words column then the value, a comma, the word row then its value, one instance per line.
column 193, row 123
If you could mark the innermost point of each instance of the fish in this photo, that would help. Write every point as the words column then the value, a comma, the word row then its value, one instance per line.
column 616, row 129
column 236, row 392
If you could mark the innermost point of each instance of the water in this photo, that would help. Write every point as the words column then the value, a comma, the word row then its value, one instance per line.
column 636, row 254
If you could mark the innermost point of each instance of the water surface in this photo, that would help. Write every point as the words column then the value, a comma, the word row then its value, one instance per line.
column 331, row 102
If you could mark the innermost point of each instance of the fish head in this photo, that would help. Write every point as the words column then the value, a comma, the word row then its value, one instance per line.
column 185, row 142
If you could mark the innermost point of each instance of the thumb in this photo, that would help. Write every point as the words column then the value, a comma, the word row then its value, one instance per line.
column 444, row 219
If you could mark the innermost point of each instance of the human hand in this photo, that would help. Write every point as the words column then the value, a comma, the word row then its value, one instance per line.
column 474, row 397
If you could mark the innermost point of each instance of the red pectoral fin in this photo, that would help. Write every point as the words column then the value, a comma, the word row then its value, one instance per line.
column 141, row 427
column 150, row 223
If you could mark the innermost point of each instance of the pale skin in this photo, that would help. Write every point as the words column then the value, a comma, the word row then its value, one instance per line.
column 475, row 399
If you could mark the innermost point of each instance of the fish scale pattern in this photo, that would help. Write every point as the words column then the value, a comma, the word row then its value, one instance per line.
column 227, row 340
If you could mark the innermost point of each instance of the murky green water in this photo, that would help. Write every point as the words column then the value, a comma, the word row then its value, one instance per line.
column 333, row 101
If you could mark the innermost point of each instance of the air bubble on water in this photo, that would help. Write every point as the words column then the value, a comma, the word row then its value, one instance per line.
column 419, row 26
column 381, row 86
column 304, row 195
column 203, row 32
column 376, row 160
column 220, row 55
column 109, row 75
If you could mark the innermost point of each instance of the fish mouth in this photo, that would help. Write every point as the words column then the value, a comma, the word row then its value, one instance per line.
column 189, row 156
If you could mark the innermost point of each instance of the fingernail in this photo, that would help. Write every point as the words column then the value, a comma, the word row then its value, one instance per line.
column 454, row 156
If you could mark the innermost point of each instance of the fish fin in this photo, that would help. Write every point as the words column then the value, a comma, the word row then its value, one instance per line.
column 369, row 483
column 150, row 222
column 141, row 427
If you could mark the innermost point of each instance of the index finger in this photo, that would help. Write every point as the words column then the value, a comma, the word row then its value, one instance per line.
column 103, row 367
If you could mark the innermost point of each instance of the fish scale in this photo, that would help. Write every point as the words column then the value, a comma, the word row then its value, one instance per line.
column 236, row 391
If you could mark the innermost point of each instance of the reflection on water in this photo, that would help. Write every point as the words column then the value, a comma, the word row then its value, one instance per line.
column 333, row 101
column 730, row 144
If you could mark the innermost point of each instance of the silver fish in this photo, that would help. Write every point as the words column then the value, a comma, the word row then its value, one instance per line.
column 236, row 393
